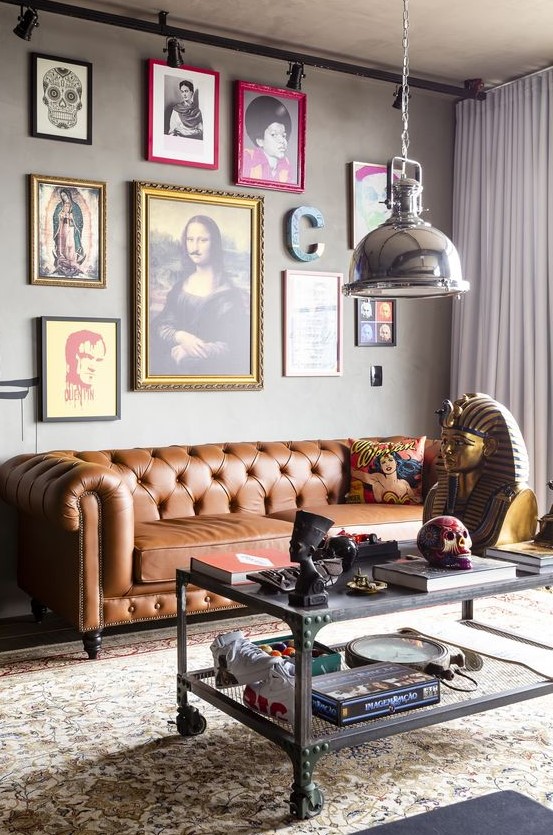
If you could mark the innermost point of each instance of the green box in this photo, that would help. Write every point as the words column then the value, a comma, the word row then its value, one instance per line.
column 327, row 661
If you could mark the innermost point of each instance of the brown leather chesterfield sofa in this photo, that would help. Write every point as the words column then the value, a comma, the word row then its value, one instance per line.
column 101, row 533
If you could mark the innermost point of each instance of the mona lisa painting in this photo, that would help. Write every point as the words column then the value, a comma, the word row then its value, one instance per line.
column 68, row 232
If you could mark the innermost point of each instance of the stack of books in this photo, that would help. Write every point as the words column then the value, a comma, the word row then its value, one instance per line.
column 232, row 567
column 529, row 556
column 416, row 573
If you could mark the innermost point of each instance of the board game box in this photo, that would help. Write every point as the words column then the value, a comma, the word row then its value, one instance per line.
column 371, row 691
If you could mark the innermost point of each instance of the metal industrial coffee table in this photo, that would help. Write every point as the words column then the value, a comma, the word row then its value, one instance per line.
column 499, row 682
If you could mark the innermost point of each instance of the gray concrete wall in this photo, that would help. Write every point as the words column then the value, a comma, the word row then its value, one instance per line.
column 348, row 118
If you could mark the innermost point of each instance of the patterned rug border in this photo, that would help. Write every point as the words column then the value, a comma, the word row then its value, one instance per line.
column 48, row 658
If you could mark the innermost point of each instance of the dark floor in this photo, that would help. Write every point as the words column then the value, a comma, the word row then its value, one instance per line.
column 23, row 632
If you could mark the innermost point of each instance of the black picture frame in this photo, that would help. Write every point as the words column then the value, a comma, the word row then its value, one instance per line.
column 61, row 99
column 80, row 361
column 375, row 323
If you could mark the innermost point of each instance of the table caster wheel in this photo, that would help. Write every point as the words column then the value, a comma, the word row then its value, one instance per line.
column 306, row 803
column 190, row 721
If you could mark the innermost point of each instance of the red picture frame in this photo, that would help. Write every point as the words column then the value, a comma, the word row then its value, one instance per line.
column 183, row 115
column 270, row 137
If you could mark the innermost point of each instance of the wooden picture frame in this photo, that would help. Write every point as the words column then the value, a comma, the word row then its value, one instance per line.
column 183, row 115
column 61, row 98
column 67, row 232
column 375, row 323
column 259, row 108
column 198, row 289
column 368, row 190
column 81, row 368
column 312, row 323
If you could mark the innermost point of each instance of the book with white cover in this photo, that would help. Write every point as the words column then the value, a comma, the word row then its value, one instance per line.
column 418, row 574
column 232, row 566
column 530, row 555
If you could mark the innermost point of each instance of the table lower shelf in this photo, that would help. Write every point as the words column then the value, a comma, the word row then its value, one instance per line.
column 498, row 683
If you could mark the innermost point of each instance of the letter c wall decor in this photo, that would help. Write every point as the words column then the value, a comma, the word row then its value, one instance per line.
column 293, row 232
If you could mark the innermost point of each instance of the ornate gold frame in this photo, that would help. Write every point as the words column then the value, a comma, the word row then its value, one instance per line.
column 160, row 215
column 90, row 197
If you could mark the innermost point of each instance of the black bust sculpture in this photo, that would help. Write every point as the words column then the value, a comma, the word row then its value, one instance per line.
column 307, row 536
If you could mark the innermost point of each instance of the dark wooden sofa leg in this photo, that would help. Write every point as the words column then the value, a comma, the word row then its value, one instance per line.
column 38, row 609
column 92, row 642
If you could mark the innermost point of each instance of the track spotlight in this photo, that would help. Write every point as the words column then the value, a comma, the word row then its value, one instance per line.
column 398, row 97
column 26, row 22
column 174, row 52
column 296, row 73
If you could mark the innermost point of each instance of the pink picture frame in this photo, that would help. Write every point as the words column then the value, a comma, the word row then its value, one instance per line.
column 270, row 137
column 183, row 115
column 369, row 185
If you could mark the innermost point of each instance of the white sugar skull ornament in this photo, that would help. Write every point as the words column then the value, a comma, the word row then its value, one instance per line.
column 63, row 93
column 445, row 542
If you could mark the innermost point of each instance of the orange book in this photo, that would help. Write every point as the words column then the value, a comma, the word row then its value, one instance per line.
column 232, row 566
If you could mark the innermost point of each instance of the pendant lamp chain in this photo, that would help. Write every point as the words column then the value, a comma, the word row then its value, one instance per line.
column 405, row 83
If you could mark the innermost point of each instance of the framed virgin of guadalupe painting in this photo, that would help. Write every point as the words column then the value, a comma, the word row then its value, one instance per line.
column 68, row 232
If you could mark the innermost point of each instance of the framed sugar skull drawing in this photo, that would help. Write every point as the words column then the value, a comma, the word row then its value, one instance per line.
column 61, row 99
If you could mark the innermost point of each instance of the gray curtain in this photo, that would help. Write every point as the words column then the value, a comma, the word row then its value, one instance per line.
column 503, row 228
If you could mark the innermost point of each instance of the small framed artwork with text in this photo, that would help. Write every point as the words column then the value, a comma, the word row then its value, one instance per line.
column 375, row 323
column 270, row 137
column 80, row 361
column 183, row 115
column 61, row 99
column 312, row 324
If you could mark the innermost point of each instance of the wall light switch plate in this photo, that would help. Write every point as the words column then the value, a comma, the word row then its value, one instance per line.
column 376, row 375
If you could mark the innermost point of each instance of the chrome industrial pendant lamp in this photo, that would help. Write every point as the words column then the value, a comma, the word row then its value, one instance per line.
column 405, row 257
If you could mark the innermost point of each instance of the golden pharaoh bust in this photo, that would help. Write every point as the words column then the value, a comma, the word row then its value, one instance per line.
column 482, row 473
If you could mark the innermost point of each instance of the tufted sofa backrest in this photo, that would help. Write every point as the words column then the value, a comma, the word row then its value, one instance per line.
column 257, row 477
column 260, row 477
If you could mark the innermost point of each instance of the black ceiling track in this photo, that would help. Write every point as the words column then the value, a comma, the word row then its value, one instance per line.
column 160, row 27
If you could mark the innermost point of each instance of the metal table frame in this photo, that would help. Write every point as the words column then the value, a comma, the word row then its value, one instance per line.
column 310, row 737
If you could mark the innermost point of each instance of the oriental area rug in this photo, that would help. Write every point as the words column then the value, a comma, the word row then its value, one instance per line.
column 91, row 747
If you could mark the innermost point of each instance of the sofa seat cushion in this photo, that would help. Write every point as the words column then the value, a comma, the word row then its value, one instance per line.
column 387, row 521
column 167, row 544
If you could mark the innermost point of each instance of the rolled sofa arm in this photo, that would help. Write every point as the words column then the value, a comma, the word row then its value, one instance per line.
column 52, row 485
column 76, row 533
